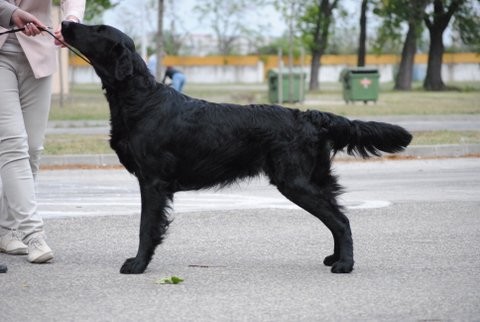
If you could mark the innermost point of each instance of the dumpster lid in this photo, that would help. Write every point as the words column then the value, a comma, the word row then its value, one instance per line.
column 362, row 70
column 286, row 71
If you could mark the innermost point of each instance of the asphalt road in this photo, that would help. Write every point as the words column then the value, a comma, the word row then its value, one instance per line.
column 247, row 254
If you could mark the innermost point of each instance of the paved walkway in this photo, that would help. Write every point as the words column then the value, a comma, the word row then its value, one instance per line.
column 412, row 123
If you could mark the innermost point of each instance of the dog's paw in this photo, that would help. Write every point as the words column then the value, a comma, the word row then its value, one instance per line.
column 330, row 260
column 342, row 267
column 133, row 266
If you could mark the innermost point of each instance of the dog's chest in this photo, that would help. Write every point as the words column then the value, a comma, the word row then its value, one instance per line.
column 120, row 143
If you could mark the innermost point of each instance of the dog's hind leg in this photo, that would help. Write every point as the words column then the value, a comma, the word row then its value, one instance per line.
column 308, row 183
column 153, row 226
column 320, row 202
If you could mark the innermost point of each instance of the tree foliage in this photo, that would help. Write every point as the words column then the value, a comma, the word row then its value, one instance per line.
column 96, row 7
column 93, row 8
column 283, row 44
column 393, row 13
column 227, row 20
column 467, row 24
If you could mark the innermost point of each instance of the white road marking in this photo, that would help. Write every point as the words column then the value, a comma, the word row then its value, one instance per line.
column 95, row 205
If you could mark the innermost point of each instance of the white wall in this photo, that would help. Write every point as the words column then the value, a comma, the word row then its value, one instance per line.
column 255, row 74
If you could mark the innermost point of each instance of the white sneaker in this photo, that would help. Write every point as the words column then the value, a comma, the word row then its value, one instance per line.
column 11, row 243
column 38, row 251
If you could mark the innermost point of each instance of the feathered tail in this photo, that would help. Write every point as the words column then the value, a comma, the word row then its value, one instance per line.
column 364, row 138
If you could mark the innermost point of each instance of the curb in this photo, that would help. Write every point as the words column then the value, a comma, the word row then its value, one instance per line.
column 97, row 160
column 442, row 151
column 417, row 151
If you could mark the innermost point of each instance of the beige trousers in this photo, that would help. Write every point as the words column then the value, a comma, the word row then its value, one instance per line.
column 24, row 108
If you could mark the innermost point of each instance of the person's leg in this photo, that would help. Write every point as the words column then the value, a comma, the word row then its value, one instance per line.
column 177, row 81
column 35, row 101
column 182, row 82
column 13, row 159
column 18, row 161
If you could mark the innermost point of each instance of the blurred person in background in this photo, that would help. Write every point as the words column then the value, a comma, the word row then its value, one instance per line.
column 177, row 77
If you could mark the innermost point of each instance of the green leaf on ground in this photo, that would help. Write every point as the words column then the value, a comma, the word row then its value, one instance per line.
column 169, row 280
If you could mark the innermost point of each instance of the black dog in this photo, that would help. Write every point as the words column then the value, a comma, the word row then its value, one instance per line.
column 172, row 142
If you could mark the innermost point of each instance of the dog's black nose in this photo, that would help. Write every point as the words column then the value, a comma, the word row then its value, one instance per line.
column 66, row 23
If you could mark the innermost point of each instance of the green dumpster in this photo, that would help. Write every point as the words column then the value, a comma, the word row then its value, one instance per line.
column 360, row 84
column 279, row 90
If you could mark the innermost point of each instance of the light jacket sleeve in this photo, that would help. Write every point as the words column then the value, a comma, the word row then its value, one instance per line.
column 6, row 11
column 74, row 8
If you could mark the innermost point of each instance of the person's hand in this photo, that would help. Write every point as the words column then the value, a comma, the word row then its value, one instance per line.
column 58, row 32
column 59, row 37
column 23, row 19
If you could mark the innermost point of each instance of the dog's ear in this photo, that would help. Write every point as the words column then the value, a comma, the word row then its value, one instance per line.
column 123, row 64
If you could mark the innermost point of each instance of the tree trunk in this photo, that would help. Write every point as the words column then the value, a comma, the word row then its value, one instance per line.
column 363, row 35
column 403, row 80
column 159, row 41
column 315, row 64
column 433, row 80
column 321, row 40
column 441, row 19
column 314, row 70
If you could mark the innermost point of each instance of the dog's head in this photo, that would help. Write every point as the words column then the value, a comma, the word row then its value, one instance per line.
column 111, row 52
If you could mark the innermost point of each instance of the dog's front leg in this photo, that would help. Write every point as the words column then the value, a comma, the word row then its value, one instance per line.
column 153, row 225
